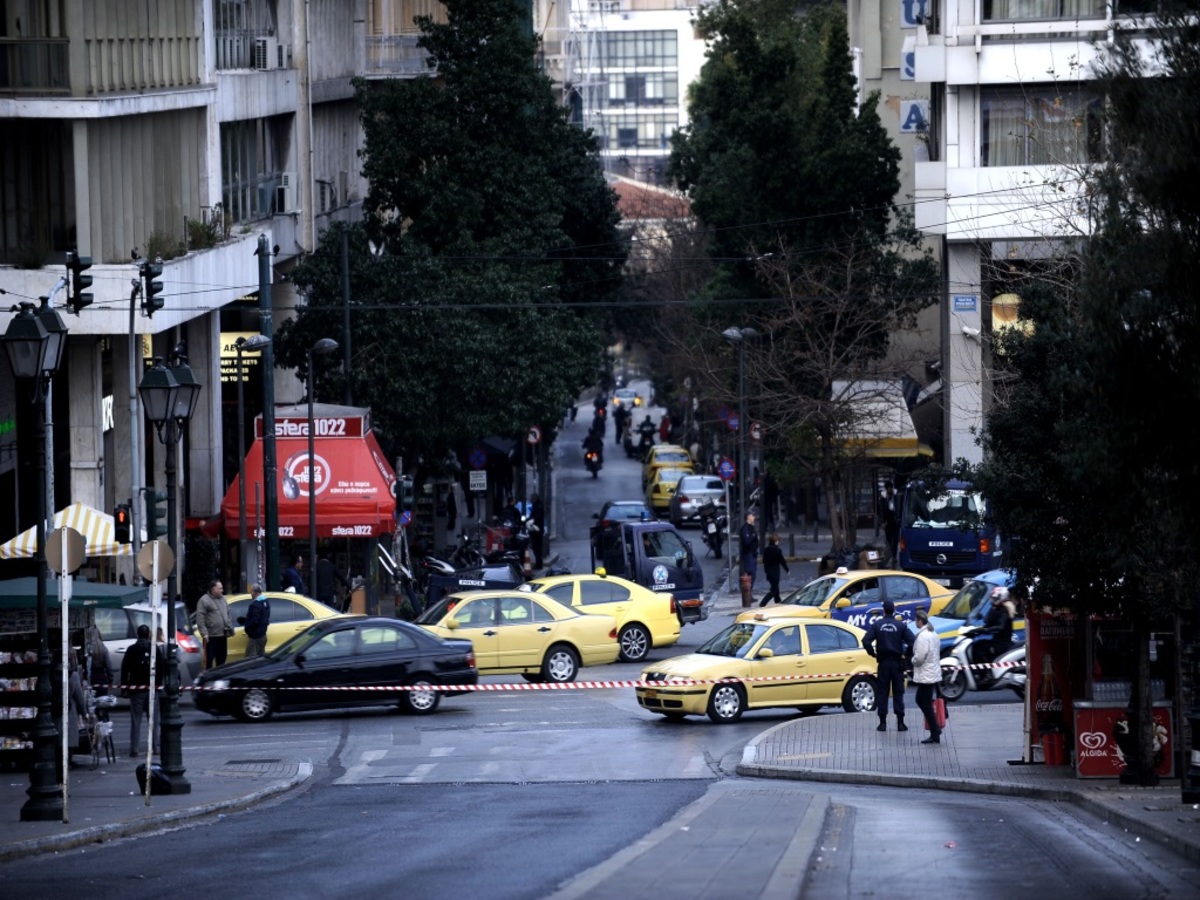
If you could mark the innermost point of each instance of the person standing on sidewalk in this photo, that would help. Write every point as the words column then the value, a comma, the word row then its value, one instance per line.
column 135, row 683
column 772, row 560
column 537, row 529
column 889, row 642
column 214, row 625
column 927, row 673
column 749, row 547
column 326, row 577
column 258, row 617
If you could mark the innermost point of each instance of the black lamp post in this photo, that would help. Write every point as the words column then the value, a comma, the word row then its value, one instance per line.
column 169, row 396
column 35, row 352
column 322, row 347
column 740, row 336
column 244, row 345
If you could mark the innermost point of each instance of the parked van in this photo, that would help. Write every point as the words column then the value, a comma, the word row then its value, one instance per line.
column 656, row 556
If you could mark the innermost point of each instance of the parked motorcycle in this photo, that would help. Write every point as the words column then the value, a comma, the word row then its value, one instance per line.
column 592, row 461
column 962, row 669
column 713, row 523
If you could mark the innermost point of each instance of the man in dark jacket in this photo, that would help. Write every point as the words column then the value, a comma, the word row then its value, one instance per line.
column 537, row 529
column 258, row 617
column 291, row 577
column 135, row 684
column 889, row 641
column 326, row 577
column 749, row 547
column 772, row 561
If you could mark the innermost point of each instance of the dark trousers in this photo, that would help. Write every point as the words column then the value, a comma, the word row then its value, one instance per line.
column 773, row 585
column 891, row 678
column 926, row 694
column 215, row 651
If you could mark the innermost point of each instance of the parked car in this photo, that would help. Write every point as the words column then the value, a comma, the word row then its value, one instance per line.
column 290, row 615
column 325, row 665
column 118, row 629
column 645, row 619
column 856, row 595
column 525, row 633
column 692, row 493
column 666, row 456
column 612, row 514
column 765, row 660
column 661, row 488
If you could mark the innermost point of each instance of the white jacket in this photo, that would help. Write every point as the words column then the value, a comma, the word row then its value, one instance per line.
column 927, row 657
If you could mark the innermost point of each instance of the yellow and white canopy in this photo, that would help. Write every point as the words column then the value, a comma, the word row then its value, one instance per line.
column 97, row 528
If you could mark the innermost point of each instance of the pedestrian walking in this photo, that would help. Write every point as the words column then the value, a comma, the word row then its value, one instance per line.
column 135, row 682
column 292, row 578
column 889, row 641
column 214, row 624
column 772, row 559
column 749, row 548
column 537, row 529
column 326, row 577
column 258, row 618
column 927, row 673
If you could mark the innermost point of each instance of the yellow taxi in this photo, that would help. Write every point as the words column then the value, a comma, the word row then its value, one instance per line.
column 522, row 632
column 661, row 488
column 645, row 619
column 764, row 660
column 856, row 596
column 666, row 456
column 290, row 615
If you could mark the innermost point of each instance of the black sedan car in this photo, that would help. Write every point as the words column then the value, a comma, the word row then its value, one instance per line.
column 340, row 662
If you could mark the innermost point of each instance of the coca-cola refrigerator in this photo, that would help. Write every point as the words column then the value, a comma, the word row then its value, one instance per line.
column 1102, row 727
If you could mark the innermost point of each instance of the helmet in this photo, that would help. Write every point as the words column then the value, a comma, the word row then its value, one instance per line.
column 999, row 594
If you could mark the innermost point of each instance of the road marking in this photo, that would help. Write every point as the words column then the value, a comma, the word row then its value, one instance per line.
column 441, row 751
column 418, row 774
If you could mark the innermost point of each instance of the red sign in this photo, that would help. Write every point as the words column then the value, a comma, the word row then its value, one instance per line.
column 1097, row 753
column 296, row 426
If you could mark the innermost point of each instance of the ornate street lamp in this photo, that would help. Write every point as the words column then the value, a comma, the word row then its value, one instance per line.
column 244, row 345
column 34, row 351
column 169, row 396
column 740, row 336
column 322, row 347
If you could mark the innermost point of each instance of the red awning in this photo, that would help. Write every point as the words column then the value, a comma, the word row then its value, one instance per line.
column 353, row 488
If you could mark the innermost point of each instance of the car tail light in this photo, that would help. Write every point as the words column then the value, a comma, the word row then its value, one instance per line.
column 674, row 605
column 985, row 545
column 903, row 545
column 471, row 658
column 683, row 498
column 612, row 634
column 186, row 642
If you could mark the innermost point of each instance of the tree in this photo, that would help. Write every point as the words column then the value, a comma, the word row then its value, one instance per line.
column 795, row 185
column 1085, row 457
column 498, row 232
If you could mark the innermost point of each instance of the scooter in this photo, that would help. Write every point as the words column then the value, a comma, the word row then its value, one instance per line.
column 592, row 461
column 713, row 523
column 961, row 672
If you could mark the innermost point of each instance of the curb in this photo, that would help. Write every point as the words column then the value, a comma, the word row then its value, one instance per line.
column 98, row 834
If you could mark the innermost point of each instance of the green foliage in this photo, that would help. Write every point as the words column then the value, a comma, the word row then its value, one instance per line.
column 202, row 235
column 163, row 245
column 494, row 215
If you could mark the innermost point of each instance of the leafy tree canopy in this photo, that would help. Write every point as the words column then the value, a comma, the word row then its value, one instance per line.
column 497, row 229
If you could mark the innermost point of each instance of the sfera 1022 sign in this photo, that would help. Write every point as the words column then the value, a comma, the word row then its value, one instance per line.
column 324, row 427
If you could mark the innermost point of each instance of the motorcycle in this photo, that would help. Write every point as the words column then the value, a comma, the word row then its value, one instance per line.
column 713, row 523
column 962, row 671
column 592, row 461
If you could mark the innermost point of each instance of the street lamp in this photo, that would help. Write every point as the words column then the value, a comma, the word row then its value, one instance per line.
column 244, row 345
column 169, row 396
column 740, row 336
column 34, row 351
column 322, row 347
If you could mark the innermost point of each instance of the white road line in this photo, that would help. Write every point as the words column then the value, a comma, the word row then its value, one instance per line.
column 441, row 751
column 418, row 774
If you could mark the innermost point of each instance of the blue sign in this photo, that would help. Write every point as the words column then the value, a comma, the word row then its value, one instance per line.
column 726, row 469
column 965, row 302
column 477, row 459
column 404, row 518
column 733, row 421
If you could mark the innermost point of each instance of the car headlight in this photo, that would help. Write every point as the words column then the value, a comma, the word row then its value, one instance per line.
column 220, row 684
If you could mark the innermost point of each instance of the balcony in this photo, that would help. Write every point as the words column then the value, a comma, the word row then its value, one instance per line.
column 34, row 66
column 396, row 56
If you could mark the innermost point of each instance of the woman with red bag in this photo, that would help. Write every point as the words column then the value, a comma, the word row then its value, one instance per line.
column 927, row 674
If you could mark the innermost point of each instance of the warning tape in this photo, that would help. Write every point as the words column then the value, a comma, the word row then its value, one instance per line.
column 554, row 685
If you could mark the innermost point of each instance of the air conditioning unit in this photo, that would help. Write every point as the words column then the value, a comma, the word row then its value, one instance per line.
column 287, row 195
column 266, row 53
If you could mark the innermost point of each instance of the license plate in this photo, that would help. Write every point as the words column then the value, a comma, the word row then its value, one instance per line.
column 944, row 582
column 712, row 527
column 650, row 694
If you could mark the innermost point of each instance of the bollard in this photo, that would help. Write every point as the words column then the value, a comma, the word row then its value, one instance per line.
column 792, row 544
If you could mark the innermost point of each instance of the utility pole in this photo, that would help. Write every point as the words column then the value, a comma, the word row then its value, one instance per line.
column 270, row 486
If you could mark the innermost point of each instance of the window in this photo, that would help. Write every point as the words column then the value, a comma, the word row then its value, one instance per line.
column 476, row 613
column 516, row 611
column 289, row 611
column 902, row 587
column 383, row 639
column 863, row 592
column 252, row 152
column 1039, row 127
column 830, row 639
column 785, row 641
column 563, row 593
column 592, row 592
column 113, row 624
column 1023, row 10
column 335, row 645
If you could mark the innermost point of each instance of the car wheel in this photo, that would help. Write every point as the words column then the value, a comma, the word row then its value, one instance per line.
column 256, row 706
column 954, row 684
column 561, row 664
column 726, row 703
column 635, row 643
column 859, row 695
column 420, row 702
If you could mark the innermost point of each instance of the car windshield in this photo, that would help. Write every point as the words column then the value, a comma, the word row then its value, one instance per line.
column 736, row 640
column 815, row 593
column 961, row 509
column 671, row 456
column 671, row 477
column 633, row 511
column 439, row 610
column 969, row 596
column 292, row 644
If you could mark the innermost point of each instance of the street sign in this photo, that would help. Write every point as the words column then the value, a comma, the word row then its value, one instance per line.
column 478, row 458
column 726, row 469
column 406, row 517
column 145, row 560
column 733, row 421
column 723, row 413
column 478, row 481
column 756, row 431
column 68, row 554
column 534, row 437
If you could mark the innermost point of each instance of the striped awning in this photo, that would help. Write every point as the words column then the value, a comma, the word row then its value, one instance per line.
column 97, row 528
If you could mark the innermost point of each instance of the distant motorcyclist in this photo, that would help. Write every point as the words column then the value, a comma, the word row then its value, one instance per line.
column 598, row 423
column 594, row 443
column 646, row 432
column 620, row 420
column 999, row 624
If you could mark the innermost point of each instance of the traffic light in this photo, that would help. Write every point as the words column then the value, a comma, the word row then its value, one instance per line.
column 122, row 523
column 156, row 514
column 151, row 288
column 76, row 266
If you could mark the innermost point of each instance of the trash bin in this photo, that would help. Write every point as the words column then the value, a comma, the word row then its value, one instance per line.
column 358, row 600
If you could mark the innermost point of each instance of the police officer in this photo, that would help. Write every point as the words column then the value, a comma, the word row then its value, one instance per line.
column 889, row 641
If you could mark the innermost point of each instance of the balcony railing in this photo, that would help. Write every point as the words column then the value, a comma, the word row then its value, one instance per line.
column 34, row 65
column 396, row 55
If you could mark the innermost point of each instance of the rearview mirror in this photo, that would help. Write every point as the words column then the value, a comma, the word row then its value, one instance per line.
column 766, row 653
column 842, row 603
column 451, row 623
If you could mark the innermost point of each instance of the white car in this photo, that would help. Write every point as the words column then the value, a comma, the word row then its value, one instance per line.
column 691, row 494
column 118, row 629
